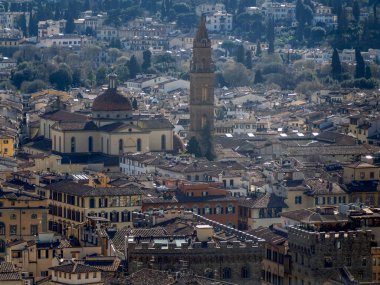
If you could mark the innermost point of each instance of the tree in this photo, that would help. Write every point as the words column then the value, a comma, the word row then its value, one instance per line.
column 360, row 65
column 336, row 67
column 21, row 23
column 258, row 48
column 368, row 72
column 147, row 60
column 240, row 53
column 270, row 36
column 193, row 147
column 258, row 77
column 70, row 25
column 101, row 75
column 248, row 59
column 133, row 66
column 135, row 105
column 356, row 10
column 61, row 78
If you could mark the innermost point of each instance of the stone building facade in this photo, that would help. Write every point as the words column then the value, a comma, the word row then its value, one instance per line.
column 236, row 260
column 317, row 257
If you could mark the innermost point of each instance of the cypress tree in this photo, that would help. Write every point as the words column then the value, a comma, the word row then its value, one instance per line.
column 240, row 54
column 258, row 77
column 248, row 59
column 258, row 48
column 360, row 65
column 270, row 36
column 368, row 72
column 336, row 67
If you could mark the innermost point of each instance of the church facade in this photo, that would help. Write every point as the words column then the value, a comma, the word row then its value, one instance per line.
column 112, row 130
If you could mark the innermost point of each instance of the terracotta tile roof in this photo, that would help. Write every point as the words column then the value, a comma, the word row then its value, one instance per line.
column 74, row 267
column 112, row 100
column 263, row 200
column 8, row 272
column 64, row 116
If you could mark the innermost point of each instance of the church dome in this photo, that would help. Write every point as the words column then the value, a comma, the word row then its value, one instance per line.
column 111, row 99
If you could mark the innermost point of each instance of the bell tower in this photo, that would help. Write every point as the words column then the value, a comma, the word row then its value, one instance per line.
column 202, row 89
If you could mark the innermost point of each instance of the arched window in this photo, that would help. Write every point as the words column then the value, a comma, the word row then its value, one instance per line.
column 92, row 203
column 138, row 145
column 108, row 146
column 114, row 217
column 90, row 144
column 163, row 142
column 209, row 273
column 59, row 144
column 2, row 229
column 244, row 272
column 101, row 144
column 227, row 274
column 54, row 142
column 121, row 145
column 204, row 121
column 72, row 144
column 2, row 245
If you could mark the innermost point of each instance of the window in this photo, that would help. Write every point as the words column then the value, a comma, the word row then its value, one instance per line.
column 2, row 229
column 227, row 274
column 298, row 200
column 87, row 275
column 94, row 275
column 79, row 276
column 34, row 216
column 138, row 145
column 2, row 245
column 372, row 175
column 44, row 273
column 13, row 216
column 92, row 203
column 163, row 142
column 244, row 272
column 121, row 145
column 72, row 144
column 328, row 262
column 90, row 144
column 362, row 175
column 34, row 230
column 364, row 261
column 13, row 229
column 204, row 193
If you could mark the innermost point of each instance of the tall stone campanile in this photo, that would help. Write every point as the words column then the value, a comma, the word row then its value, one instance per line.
column 202, row 89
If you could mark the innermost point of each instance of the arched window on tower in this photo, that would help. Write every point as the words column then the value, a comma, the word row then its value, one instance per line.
column 121, row 145
column 163, row 142
column 73, row 146
column 90, row 144
column 138, row 144
column 204, row 93
column 59, row 144
column 204, row 121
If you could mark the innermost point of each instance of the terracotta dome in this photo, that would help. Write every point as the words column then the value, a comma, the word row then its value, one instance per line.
column 111, row 100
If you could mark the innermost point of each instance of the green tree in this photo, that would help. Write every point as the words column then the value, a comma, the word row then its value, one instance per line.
column 258, row 48
column 193, row 147
column 248, row 59
column 147, row 60
column 360, row 65
column 270, row 36
column 135, row 105
column 101, row 75
column 240, row 53
column 133, row 66
column 336, row 67
column 258, row 77
column 356, row 10
column 70, row 25
column 61, row 79
column 368, row 72
column 208, row 142
column 77, row 77
column 21, row 23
